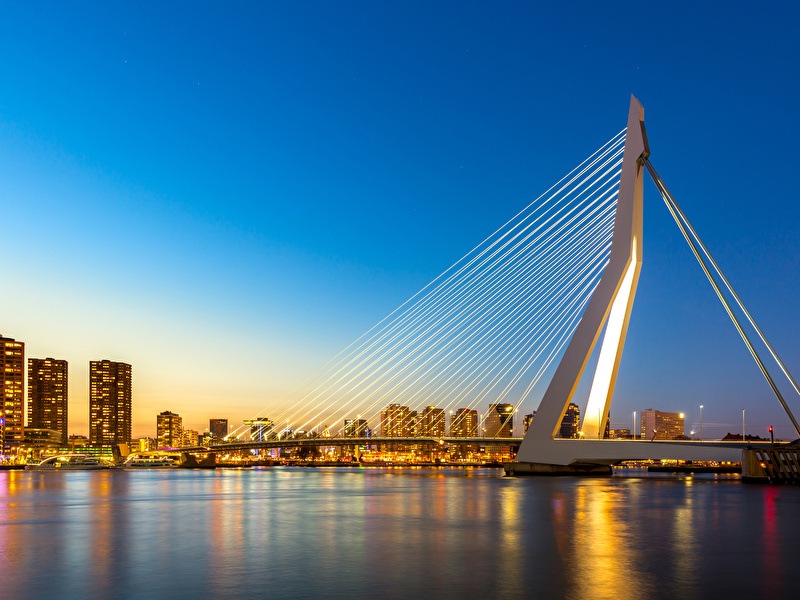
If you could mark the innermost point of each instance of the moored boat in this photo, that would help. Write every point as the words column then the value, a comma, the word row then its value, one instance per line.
column 68, row 462
column 159, row 461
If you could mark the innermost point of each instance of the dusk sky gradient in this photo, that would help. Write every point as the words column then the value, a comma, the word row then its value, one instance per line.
column 224, row 195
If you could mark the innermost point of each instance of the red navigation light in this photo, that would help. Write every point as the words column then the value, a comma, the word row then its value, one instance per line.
column 770, row 429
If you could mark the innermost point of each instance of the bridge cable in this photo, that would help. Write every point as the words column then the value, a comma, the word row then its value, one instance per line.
column 523, row 287
column 679, row 218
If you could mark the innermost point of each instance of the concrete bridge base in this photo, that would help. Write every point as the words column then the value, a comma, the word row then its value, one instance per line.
column 513, row 469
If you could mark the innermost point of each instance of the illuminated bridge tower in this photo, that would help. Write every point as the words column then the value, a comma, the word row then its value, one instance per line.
column 610, row 306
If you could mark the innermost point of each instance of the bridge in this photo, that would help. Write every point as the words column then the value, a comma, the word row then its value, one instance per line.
column 515, row 322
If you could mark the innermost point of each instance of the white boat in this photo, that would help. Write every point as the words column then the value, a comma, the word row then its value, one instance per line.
column 69, row 462
column 162, row 461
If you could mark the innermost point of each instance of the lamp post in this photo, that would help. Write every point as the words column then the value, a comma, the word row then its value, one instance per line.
column 701, row 422
column 744, row 435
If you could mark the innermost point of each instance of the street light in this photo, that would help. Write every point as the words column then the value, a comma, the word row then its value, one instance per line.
column 701, row 421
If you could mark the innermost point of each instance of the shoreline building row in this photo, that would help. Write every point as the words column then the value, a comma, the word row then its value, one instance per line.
column 110, row 400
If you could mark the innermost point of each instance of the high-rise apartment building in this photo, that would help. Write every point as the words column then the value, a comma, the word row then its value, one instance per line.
column 570, row 422
column 431, row 422
column 218, row 428
column 169, row 429
column 47, row 395
column 110, row 394
column 464, row 423
column 190, row 438
column 499, row 421
column 660, row 425
column 12, row 393
column 398, row 421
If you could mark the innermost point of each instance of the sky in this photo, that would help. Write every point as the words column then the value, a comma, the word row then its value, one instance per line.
column 225, row 195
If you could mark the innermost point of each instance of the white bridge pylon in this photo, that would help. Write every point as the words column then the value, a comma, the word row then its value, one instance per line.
column 610, row 307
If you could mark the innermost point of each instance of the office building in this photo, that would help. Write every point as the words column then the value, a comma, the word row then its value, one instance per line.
column 12, row 393
column 659, row 425
column 218, row 428
column 169, row 429
column 110, row 395
column 47, row 395
column 499, row 421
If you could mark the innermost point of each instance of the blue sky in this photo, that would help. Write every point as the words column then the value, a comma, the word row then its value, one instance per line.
column 224, row 196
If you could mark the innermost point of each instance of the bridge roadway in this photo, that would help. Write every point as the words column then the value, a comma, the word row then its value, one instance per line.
column 644, row 449
column 353, row 441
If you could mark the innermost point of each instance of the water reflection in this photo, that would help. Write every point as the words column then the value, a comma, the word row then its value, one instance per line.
column 343, row 533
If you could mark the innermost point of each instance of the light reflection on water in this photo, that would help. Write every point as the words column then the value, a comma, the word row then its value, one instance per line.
column 349, row 533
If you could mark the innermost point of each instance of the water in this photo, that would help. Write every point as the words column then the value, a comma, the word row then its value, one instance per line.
column 384, row 533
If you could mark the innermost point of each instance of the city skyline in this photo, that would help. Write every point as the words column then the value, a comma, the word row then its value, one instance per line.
column 225, row 201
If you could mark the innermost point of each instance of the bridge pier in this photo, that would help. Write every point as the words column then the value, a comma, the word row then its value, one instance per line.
column 777, row 464
column 514, row 469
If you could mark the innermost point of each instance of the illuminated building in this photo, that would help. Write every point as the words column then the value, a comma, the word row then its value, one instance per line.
column 77, row 441
column 109, row 403
column 218, row 428
column 431, row 422
column 499, row 421
column 47, row 395
column 398, row 421
column 355, row 428
column 12, row 384
column 190, row 437
column 145, row 444
column 41, row 441
column 570, row 421
column 464, row 423
column 526, row 421
column 260, row 429
column 169, row 428
column 620, row 434
column 662, row 425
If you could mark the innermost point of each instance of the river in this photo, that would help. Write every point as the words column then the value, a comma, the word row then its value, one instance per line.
column 392, row 533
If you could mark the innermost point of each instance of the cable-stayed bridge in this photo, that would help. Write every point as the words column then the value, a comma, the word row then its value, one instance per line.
column 513, row 322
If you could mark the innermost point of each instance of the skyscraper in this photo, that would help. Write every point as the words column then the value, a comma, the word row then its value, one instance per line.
column 47, row 395
column 218, row 428
column 499, row 420
column 12, row 395
column 169, row 429
column 109, row 403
